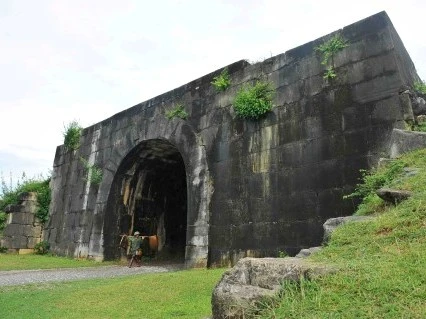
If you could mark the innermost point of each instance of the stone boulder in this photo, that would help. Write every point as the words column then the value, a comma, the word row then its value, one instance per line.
column 253, row 279
column 393, row 196
column 405, row 141
column 419, row 106
column 332, row 223
column 306, row 252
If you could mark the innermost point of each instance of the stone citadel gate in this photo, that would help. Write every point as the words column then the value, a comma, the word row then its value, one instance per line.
column 214, row 187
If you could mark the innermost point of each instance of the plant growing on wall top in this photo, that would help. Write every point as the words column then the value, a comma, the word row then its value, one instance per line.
column 253, row 101
column 420, row 87
column 94, row 173
column 222, row 81
column 328, row 49
column 177, row 111
column 72, row 135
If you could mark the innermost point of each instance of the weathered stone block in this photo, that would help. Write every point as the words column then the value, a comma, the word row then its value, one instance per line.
column 12, row 230
column 331, row 224
column 308, row 251
column 32, row 241
column 405, row 141
column 196, row 256
column 25, row 251
column 252, row 279
column 26, row 230
column 377, row 88
column 17, row 242
column 22, row 218
column 393, row 196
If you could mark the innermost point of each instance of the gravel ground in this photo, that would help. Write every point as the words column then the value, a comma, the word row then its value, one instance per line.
column 23, row 277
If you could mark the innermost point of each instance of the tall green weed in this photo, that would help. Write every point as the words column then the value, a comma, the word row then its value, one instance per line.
column 375, row 179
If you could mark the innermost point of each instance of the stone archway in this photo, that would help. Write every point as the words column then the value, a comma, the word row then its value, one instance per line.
column 149, row 194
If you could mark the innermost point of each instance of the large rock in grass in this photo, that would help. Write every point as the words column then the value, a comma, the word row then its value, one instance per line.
column 332, row 223
column 306, row 252
column 406, row 141
column 253, row 279
column 393, row 196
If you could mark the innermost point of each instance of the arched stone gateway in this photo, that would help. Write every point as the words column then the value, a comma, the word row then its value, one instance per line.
column 215, row 187
column 149, row 194
column 155, row 180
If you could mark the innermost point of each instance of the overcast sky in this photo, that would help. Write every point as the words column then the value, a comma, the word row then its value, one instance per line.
column 86, row 60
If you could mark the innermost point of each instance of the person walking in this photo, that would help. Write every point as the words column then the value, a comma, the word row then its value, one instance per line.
column 135, row 251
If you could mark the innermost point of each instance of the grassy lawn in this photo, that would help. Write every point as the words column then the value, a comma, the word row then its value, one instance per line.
column 182, row 294
column 382, row 262
column 22, row 262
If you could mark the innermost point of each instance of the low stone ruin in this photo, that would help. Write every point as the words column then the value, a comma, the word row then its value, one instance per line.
column 23, row 229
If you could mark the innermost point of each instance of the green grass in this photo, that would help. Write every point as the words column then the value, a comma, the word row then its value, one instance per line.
column 382, row 262
column 183, row 294
column 25, row 262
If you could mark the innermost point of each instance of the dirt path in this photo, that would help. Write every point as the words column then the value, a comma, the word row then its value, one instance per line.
column 23, row 277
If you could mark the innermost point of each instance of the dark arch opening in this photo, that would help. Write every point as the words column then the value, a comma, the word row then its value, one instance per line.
column 149, row 195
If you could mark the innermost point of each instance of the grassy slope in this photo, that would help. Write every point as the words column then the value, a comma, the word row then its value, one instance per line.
column 382, row 262
column 183, row 294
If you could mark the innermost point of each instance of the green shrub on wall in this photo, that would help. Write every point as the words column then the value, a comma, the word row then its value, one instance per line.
column 330, row 73
column 254, row 101
column 420, row 87
column 222, row 81
column 42, row 248
column 72, row 135
column 43, row 200
column 3, row 218
column 94, row 173
column 328, row 49
column 372, row 180
column 177, row 111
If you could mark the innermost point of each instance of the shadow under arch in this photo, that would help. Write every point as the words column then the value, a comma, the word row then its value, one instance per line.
column 149, row 194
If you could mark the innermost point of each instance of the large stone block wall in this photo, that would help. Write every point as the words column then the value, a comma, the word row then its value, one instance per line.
column 255, row 188
column 23, row 229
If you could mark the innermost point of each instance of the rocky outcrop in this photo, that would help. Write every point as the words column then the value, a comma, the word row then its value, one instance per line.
column 253, row 279
column 393, row 196
column 419, row 106
column 331, row 224
column 306, row 252
column 405, row 141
